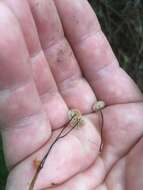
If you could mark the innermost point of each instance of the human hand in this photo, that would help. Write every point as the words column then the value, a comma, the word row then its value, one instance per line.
column 46, row 68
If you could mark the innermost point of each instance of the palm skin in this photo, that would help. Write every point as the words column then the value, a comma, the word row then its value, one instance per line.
column 54, row 57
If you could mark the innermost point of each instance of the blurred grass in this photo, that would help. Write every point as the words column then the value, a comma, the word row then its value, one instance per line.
column 122, row 22
column 3, row 170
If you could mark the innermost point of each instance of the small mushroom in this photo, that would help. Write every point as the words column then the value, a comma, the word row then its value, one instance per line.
column 98, row 106
column 76, row 118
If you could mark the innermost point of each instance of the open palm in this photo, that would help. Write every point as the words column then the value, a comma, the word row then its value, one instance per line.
column 53, row 57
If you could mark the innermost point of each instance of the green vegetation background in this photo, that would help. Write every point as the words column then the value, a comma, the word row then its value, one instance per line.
column 122, row 22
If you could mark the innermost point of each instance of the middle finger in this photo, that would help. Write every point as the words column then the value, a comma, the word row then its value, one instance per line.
column 74, row 88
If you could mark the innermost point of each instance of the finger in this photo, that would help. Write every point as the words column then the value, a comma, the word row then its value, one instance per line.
column 60, row 56
column 134, row 167
column 122, row 126
column 44, row 80
column 76, row 151
column 89, row 179
column 24, row 125
column 128, row 171
column 94, row 53
column 118, row 175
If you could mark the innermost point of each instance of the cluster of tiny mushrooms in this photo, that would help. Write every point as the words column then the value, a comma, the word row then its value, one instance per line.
column 75, row 120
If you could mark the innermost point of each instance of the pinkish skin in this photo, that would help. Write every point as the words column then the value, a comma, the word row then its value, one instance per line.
column 42, row 74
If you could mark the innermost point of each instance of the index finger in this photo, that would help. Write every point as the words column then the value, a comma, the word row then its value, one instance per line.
column 94, row 53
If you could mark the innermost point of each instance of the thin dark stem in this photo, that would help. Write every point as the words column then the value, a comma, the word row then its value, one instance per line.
column 101, row 132
column 57, row 138
column 69, row 131
column 49, row 150
column 34, row 179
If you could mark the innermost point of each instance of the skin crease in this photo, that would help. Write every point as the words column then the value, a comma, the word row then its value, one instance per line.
column 49, row 62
